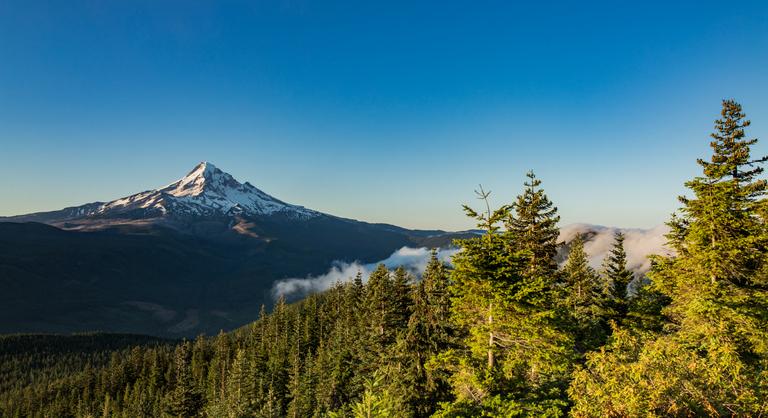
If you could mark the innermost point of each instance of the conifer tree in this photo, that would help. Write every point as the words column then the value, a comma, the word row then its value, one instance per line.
column 301, row 387
column 533, row 227
column 387, row 299
column 185, row 400
column 615, row 270
column 585, row 299
column 711, row 358
column 377, row 401
column 379, row 294
column 511, row 356
column 428, row 333
column 358, row 288
column 241, row 387
column 401, row 298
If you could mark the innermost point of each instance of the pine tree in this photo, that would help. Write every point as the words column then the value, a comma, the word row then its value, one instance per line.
column 301, row 387
column 241, row 387
column 185, row 400
column 711, row 358
column 533, row 227
column 387, row 299
column 358, row 288
column 401, row 298
column 376, row 401
column 378, row 298
column 585, row 299
column 617, row 274
column 511, row 356
column 428, row 333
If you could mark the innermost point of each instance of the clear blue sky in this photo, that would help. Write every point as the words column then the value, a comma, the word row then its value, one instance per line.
column 389, row 111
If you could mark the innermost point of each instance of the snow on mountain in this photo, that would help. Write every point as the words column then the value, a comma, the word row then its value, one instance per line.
column 205, row 191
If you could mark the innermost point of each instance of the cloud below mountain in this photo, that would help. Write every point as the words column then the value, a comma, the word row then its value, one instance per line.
column 638, row 243
column 413, row 259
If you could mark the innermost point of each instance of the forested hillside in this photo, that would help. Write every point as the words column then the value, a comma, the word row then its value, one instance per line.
column 31, row 358
column 504, row 331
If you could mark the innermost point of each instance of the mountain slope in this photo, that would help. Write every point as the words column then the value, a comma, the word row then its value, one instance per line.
column 198, row 255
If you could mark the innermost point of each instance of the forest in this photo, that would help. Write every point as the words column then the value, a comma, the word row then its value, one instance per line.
column 503, row 331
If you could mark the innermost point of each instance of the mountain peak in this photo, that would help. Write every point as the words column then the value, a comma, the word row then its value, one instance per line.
column 204, row 169
column 206, row 190
column 204, row 176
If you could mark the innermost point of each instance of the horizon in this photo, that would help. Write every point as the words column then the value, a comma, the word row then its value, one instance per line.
column 243, row 181
column 388, row 114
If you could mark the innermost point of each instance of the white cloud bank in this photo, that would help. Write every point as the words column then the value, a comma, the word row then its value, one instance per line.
column 639, row 244
column 413, row 259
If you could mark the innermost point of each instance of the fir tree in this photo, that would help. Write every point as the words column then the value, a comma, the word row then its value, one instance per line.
column 428, row 333
column 511, row 356
column 401, row 298
column 241, row 387
column 585, row 298
column 185, row 400
column 533, row 227
column 618, row 276
column 379, row 302
column 712, row 355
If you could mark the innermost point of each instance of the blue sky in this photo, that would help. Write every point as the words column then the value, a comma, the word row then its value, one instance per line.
column 387, row 112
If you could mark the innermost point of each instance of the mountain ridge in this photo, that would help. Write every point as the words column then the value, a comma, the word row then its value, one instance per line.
column 197, row 255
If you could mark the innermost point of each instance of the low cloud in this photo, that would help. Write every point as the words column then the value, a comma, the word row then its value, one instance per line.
column 638, row 243
column 413, row 259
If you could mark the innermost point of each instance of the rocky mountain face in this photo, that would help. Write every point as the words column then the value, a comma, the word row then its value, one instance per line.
column 198, row 255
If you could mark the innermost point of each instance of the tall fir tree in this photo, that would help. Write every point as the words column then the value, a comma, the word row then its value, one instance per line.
column 711, row 359
column 241, row 387
column 379, row 303
column 401, row 298
column 533, row 227
column 615, row 269
column 510, row 357
column 184, row 400
column 586, row 298
column 644, row 302
column 428, row 333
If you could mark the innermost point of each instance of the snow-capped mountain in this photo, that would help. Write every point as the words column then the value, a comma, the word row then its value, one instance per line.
column 206, row 190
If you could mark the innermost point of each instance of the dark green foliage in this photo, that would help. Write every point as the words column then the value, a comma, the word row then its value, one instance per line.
column 586, row 299
column 185, row 399
column 644, row 309
column 30, row 358
column 429, row 332
column 615, row 270
column 532, row 233
column 533, row 226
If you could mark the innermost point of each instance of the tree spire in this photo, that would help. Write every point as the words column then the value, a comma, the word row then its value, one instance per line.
column 615, row 268
column 533, row 226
